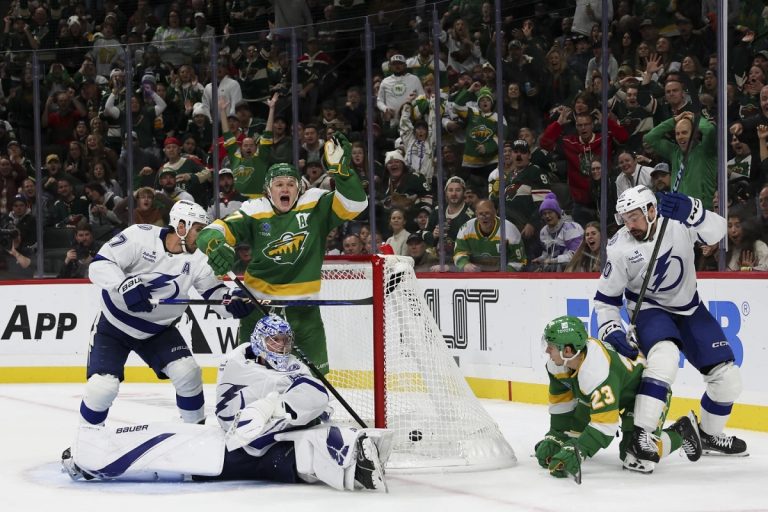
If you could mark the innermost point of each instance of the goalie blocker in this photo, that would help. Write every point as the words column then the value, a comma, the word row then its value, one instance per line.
column 341, row 457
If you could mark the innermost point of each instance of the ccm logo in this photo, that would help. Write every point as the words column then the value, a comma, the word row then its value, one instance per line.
column 719, row 344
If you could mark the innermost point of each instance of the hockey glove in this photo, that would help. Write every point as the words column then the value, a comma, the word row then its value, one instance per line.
column 565, row 462
column 135, row 295
column 618, row 340
column 546, row 448
column 221, row 258
column 239, row 308
column 338, row 155
column 682, row 208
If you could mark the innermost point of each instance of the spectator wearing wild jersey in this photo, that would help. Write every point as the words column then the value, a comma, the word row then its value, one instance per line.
column 592, row 392
column 141, row 263
column 478, row 242
column 672, row 319
column 287, row 230
column 481, row 148
column 248, row 164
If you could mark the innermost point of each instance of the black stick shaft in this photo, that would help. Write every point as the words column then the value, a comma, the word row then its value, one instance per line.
column 304, row 359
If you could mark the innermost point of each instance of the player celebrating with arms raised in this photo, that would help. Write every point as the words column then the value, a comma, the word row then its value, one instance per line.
column 672, row 318
column 591, row 393
column 286, row 230
column 271, row 414
column 140, row 263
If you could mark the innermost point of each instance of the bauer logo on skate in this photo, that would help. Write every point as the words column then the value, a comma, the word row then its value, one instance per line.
column 287, row 248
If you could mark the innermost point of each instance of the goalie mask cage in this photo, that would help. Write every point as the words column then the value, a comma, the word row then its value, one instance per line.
column 391, row 364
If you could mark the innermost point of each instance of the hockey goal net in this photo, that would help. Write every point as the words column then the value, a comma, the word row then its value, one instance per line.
column 390, row 363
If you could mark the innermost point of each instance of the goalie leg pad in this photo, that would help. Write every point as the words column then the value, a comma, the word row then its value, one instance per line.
column 187, row 378
column 149, row 451
column 723, row 388
column 661, row 369
column 100, row 392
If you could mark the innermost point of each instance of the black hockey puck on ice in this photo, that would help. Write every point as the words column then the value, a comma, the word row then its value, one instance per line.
column 414, row 435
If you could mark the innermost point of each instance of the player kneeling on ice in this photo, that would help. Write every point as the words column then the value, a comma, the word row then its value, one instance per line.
column 592, row 393
column 272, row 426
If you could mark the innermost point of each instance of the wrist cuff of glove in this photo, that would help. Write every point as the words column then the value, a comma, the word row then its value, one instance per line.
column 697, row 213
column 338, row 169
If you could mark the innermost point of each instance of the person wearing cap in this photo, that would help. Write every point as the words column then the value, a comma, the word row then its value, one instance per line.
column 404, row 190
column 700, row 174
column 521, row 68
column 203, row 33
column 230, row 199
column 423, row 63
column 69, row 208
column 595, row 65
column 457, row 212
column 55, row 172
column 396, row 89
column 248, row 162
column 479, row 239
column 632, row 172
column 107, row 51
column 424, row 259
column 661, row 179
column 481, row 144
column 18, row 159
column 560, row 236
column 189, row 174
column 167, row 183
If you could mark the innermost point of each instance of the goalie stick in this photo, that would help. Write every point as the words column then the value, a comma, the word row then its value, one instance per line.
column 304, row 359
column 264, row 302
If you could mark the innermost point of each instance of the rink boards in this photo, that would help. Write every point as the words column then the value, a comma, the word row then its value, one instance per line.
column 491, row 323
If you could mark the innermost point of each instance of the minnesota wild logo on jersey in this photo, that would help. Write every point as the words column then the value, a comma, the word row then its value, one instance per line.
column 481, row 134
column 287, row 248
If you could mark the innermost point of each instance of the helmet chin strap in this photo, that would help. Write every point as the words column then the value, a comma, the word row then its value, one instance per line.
column 567, row 360
column 183, row 240
column 651, row 223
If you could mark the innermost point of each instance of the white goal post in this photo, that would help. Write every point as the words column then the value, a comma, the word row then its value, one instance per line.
column 390, row 363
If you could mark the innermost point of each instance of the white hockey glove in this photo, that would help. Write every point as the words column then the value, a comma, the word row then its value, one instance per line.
column 250, row 421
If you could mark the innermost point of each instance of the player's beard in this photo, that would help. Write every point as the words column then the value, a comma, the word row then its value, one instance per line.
column 638, row 234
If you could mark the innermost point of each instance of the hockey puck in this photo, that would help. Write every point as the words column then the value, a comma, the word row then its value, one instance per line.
column 414, row 435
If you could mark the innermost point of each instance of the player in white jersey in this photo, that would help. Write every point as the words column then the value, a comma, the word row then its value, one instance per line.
column 140, row 263
column 272, row 426
column 672, row 318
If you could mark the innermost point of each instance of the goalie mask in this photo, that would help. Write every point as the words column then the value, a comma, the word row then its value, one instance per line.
column 282, row 170
column 272, row 340
column 639, row 197
column 190, row 213
column 564, row 331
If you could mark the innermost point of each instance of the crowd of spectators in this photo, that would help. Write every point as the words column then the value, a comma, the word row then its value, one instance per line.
column 662, row 97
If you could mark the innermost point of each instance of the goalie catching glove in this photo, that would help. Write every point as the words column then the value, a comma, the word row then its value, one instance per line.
column 338, row 155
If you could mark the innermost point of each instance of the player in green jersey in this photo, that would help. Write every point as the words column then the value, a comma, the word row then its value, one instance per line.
column 591, row 396
column 286, row 230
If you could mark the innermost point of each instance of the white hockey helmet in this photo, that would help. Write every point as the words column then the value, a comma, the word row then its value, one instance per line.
column 272, row 339
column 188, row 212
column 633, row 198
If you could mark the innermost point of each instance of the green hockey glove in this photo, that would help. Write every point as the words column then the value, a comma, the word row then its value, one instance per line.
column 565, row 462
column 338, row 155
column 221, row 258
column 546, row 448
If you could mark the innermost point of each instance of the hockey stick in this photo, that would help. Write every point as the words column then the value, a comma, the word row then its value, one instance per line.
column 264, row 302
column 304, row 359
column 663, row 227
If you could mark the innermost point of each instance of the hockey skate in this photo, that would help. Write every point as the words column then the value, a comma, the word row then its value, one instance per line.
column 688, row 428
column 644, row 445
column 369, row 473
column 721, row 444
column 72, row 469
column 632, row 463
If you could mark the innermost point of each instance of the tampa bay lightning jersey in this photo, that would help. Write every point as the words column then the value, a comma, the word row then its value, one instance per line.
column 139, row 251
column 243, row 380
column 672, row 286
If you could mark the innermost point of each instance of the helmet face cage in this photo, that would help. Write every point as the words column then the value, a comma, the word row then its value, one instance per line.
column 564, row 331
column 188, row 212
column 272, row 339
column 632, row 199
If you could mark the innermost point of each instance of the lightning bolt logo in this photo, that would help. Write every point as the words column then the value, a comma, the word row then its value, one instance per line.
column 663, row 270
column 226, row 397
column 162, row 281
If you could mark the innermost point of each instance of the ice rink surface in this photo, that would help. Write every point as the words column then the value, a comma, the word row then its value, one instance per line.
column 38, row 422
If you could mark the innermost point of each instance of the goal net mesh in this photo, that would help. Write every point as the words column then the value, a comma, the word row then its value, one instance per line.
column 436, row 420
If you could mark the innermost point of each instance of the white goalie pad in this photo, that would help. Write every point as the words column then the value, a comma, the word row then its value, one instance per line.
column 155, row 451
column 327, row 453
